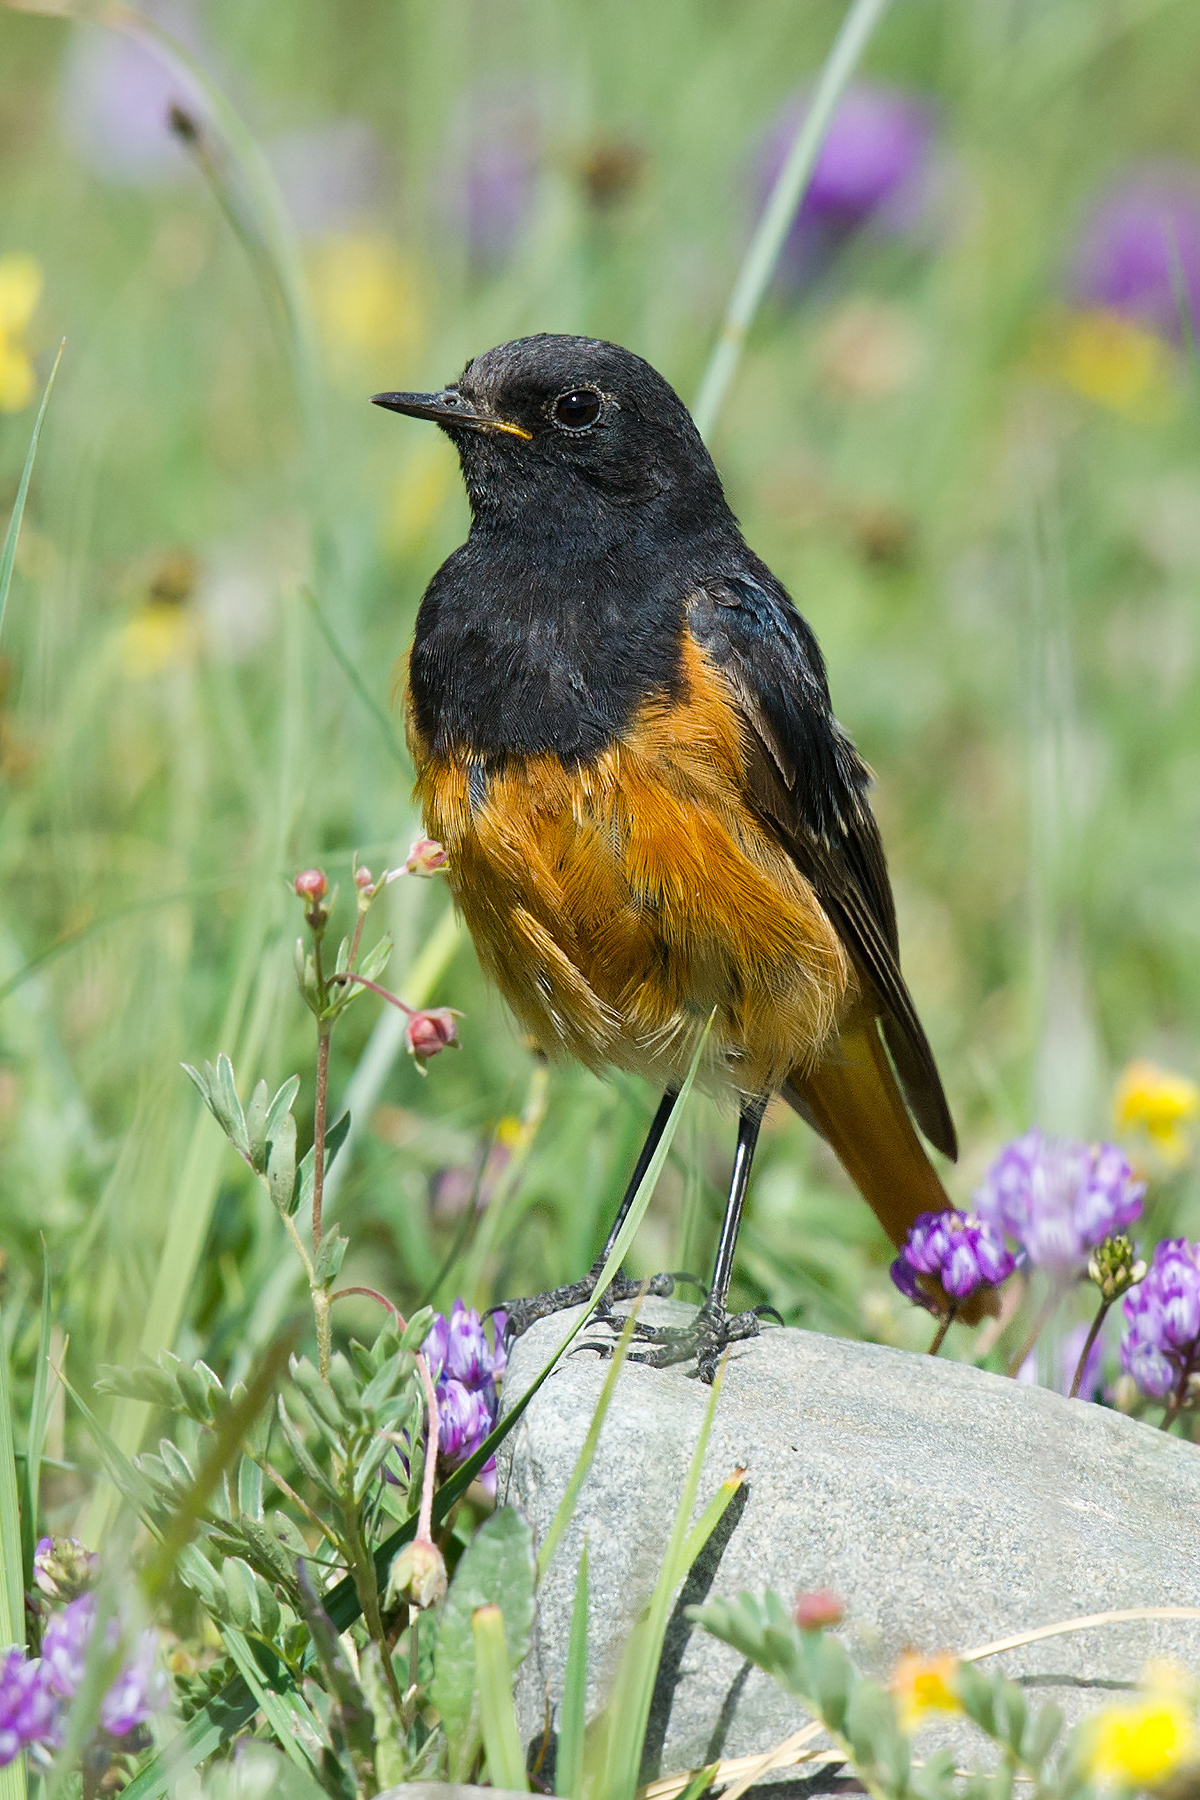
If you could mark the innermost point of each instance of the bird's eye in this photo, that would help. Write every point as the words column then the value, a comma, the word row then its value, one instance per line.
column 577, row 409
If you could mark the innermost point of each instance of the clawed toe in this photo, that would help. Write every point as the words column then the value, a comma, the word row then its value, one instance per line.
column 703, row 1342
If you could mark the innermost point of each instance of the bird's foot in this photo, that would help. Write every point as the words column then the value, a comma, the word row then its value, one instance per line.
column 703, row 1341
column 521, row 1314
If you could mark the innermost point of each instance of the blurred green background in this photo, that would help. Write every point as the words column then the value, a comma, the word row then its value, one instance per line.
column 981, row 485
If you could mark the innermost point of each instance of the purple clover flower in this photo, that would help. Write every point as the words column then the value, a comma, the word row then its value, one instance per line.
column 957, row 1249
column 873, row 167
column 1140, row 243
column 27, row 1708
column 467, row 1371
column 1160, row 1346
column 35, row 1694
column 1059, row 1198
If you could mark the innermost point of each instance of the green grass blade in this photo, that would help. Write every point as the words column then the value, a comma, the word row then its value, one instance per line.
column 583, row 1462
column 275, row 1709
column 497, row 1715
column 12, row 1594
column 35, row 1440
column 785, row 197
column 628, row 1710
column 572, row 1714
column 709, row 1519
column 8, row 555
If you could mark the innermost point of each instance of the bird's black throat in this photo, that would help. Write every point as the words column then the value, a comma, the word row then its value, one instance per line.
column 547, row 636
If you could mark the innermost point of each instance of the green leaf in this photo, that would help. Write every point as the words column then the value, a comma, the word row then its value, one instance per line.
column 497, row 1715
column 281, row 1107
column 8, row 555
column 497, row 1569
column 231, row 1115
column 330, row 1253
column 241, row 1598
column 256, row 1127
column 303, row 1456
column 281, row 1168
column 278, row 1709
column 572, row 1714
column 150, row 1382
column 1043, row 1731
column 391, row 1760
column 335, row 1137
column 376, row 960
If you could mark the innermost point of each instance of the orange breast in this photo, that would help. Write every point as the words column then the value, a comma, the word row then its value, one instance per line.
column 618, row 903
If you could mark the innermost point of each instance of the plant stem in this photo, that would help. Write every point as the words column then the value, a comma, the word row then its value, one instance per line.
column 384, row 993
column 319, row 1130
column 1093, row 1334
column 425, row 1519
column 290, row 1493
column 1176, row 1404
column 370, row 1294
column 939, row 1336
column 1039, row 1325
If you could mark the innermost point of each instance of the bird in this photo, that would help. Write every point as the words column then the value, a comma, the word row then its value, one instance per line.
column 655, row 826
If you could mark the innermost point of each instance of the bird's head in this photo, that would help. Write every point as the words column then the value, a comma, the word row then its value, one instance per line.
column 570, row 425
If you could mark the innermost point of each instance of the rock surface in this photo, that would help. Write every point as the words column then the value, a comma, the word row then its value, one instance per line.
column 948, row 1507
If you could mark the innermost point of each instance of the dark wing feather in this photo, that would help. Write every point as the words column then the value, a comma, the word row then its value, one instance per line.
column 808, row 782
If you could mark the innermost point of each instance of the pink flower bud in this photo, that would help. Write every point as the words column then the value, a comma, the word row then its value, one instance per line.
column 311, row 885
column 427, row 857
column 429, row 1032
column 363, row 880
column 812, row 1612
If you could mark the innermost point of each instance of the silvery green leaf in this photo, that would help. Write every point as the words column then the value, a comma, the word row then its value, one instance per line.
column 250, row 1488
column 196, row 1393
column 281, row 1167
column 242, row 1594
column 175, row 1463
column 329, row 1256
column 281, row 1106
column 231, row 1114
column 376, row 959
column 148, row 1381
column 203, row 1579
column 335, row 1137
column 303, row 1455
column 256, row 1127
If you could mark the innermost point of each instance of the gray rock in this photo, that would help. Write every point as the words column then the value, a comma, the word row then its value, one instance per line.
column 948, row 1507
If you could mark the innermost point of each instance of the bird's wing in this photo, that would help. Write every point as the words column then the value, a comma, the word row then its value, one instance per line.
column 807, row 781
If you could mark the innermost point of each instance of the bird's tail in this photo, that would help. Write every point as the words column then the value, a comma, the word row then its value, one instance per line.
column 853, row 1100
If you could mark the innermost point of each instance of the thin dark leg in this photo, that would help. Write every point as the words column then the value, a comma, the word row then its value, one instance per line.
column 748, row 1126
column 713, row 1329
column 522, row 1313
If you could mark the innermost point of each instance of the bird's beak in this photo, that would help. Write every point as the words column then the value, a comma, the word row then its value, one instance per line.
column 449, row 409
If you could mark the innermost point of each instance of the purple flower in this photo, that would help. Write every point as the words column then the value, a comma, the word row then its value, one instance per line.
column 1059, row 1198
column 468, row 1354
column 957, row 1249
column 1140, row 243
column 117, row 96
column 464, row 1420
column 492, row 171
column 27, row 1708
column 872, row 167
column 139, row 1691
column 65, row 1646
column 1160, row 1347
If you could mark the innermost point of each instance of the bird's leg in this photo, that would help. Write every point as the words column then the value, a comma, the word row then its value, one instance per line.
column 713, row 1328
column 522, row 1313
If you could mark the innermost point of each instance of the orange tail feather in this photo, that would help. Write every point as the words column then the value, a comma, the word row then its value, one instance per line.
column 853, row 1100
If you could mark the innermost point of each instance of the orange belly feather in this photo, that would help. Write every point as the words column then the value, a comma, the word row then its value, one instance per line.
column 618, row 903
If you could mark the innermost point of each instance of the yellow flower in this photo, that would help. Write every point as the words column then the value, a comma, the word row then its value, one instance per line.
column 1116, row 363
column 1156, row 1101
column 20, row 290
column 157, row 637
column 924, row 1684
column 1141, row 1742
column 365, row 296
